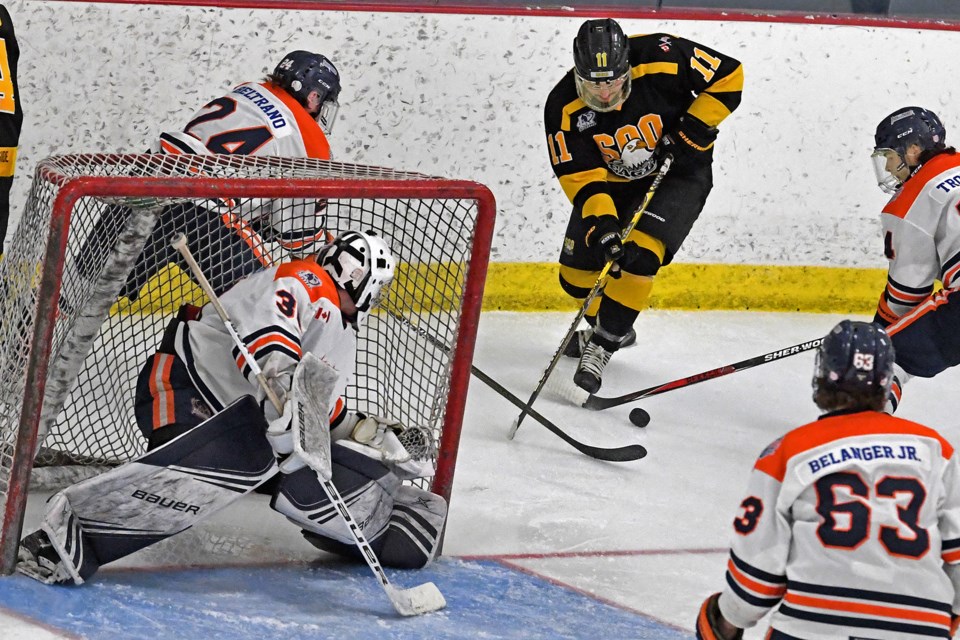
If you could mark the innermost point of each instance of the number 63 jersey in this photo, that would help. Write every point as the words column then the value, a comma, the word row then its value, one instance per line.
column 850, row 528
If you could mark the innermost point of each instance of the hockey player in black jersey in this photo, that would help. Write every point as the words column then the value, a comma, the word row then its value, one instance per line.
column 11, row 116
column 609, row 121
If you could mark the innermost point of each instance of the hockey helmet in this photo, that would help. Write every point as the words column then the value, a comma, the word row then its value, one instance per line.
column 601, row 59
column 895, row 134
column 361, row 264
column 856, row 358
column 301, row 72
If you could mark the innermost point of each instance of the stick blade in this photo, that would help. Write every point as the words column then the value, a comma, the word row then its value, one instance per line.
column 513, row 429
column 416, row 601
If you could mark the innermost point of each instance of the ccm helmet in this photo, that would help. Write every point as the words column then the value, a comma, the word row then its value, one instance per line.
column 301, row 72
column 601, row 59
column 855, row 358
column 361, row 264
column 895, row 134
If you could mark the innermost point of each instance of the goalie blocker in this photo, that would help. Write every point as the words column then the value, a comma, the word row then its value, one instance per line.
column 172, row 488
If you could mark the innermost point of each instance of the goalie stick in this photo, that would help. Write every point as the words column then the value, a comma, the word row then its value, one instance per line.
column 601, row 279
column 618, row 454
column 423, row 598
column 598, row 403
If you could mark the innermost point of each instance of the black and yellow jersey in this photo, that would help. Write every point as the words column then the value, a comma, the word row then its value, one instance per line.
column 670, row 77
column 11, row 114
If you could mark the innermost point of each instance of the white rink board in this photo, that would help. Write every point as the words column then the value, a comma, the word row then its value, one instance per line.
column 462, row 96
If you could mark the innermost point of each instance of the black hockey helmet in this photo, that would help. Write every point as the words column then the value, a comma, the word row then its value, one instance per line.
column 601, row 56
column 895, row 134
column 301, row 72
column 855, row 358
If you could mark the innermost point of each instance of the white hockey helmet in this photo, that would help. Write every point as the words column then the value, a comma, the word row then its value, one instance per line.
column 361, row 264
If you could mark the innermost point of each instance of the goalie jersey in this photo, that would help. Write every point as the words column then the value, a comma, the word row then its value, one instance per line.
column 280, row 313
column 257, row 119
column 921, row 231
column 850, row 528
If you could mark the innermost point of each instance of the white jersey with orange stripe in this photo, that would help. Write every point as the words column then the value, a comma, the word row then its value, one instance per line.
column 258, row 119
column 850, row 528
column 921, row 230
column 280, row 313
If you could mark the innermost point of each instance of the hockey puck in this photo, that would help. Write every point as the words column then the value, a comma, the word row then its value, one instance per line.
column 639, row 417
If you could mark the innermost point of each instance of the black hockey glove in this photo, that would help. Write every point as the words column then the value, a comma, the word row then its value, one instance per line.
column 603, row 237
column 690, row 143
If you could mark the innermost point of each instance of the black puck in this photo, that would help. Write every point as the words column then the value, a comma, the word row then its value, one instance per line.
column 639, row 417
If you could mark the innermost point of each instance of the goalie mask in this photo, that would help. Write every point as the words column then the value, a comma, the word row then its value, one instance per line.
column 856, row 358
column 601, row 59
column 302, row 72
column 361, row 264
column 893, row 160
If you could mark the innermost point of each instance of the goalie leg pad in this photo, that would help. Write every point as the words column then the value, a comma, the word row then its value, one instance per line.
column 411, row 540
column 157, row 495
column 402, row 523
column 367, row 488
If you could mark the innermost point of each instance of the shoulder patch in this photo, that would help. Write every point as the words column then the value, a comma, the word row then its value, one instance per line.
column 770, row 449
column 586, row 120
column 315, row 280
column 309, row 278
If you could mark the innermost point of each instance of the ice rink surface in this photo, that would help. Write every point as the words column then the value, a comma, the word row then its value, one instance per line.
column 542, row 541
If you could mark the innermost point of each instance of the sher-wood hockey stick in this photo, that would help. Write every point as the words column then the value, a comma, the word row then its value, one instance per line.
column 599, row 403
column 618, row 454
column 423, row 598
column 601, row 279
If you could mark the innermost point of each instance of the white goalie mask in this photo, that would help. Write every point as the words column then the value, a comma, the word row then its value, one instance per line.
column 361, row 264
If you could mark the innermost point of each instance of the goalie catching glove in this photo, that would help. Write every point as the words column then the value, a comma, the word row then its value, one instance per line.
column 406, row 451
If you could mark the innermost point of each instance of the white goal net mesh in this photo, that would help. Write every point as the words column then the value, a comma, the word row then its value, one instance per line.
column 90, row 266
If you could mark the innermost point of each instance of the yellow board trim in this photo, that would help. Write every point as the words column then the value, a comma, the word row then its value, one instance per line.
column 534, row 286
column 530, row 286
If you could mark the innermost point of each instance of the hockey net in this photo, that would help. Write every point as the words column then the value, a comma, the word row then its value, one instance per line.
column 75, row 334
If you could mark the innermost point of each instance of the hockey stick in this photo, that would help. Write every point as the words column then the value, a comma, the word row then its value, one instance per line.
column 601, row 279
column 598, row 403
column 618, row 454
column 423, row 598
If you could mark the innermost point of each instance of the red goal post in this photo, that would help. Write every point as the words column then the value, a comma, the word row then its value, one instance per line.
column 71, row 344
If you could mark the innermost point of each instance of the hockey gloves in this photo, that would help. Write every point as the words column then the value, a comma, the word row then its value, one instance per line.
column 603, row 237
column 708, row 621
column 690, row 143
column 406, row 451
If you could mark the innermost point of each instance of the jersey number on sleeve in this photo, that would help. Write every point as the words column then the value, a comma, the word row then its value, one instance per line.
column 846, row 524
column 705, row 63
column 558, row 149
column 752, row 509
column 236, row 141
column 7, row 102
column 286, row 303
